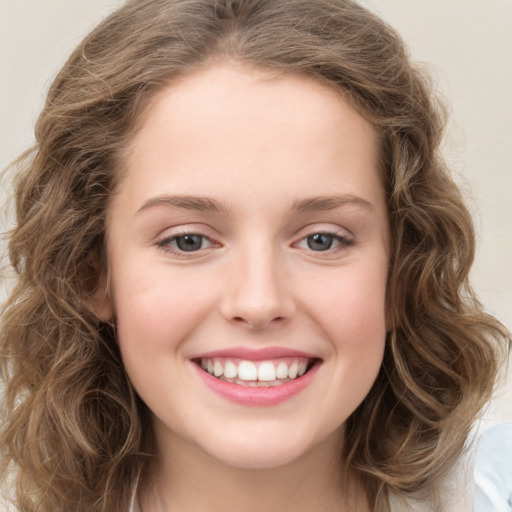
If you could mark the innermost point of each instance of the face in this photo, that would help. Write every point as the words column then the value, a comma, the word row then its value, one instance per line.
column 248, row 254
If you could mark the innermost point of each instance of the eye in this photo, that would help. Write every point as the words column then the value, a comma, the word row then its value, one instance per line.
column 324, row 241
column 189, row 242
column 320, row 241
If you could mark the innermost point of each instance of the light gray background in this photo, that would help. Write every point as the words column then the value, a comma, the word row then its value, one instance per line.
column 466, row 43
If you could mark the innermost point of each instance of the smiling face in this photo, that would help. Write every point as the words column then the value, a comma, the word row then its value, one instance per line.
column 248, row 254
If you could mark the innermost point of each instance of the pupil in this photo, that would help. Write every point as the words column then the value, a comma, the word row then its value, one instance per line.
column 189, row 242
column 320, row 242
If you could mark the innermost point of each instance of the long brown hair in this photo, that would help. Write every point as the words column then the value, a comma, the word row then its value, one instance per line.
column 74, row 433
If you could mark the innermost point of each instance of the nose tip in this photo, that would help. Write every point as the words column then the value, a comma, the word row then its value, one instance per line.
column 258, row 296
column 259, row 309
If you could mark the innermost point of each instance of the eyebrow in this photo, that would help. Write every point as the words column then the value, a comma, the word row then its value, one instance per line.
column 208, row 204
column 323, row 203
column 197, row 203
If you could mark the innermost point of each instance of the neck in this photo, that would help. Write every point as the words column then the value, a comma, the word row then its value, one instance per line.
column 192, row 481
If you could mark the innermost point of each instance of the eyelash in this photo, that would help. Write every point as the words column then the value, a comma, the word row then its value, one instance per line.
column 343, row 241
column 166, row 243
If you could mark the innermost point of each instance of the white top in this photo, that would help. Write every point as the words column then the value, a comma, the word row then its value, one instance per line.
column 493, row 470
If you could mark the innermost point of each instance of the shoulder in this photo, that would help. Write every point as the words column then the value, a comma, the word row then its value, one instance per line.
column 493, row 469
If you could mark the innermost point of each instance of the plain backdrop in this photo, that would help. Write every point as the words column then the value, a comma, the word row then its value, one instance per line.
column 466, row 45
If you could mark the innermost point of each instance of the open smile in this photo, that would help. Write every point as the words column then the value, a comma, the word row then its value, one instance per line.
column 256, row 373
column 256, row 377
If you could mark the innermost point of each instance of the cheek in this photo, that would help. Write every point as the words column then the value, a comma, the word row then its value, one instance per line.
column 351, row 316
column 352, row 313
column 353, row 296
column 155, row 313
column 155, row 316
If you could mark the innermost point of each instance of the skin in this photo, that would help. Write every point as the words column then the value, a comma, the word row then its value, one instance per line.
column 257, row 144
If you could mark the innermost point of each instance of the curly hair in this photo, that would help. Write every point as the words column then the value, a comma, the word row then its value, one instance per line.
column 74, row 432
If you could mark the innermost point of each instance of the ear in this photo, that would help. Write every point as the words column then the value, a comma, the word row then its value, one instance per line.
column 101, row 303
column 96, row 284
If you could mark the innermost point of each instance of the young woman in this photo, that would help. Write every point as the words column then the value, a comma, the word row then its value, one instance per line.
column 242, row 271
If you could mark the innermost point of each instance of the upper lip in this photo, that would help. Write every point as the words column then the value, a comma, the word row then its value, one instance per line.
column 255, row 354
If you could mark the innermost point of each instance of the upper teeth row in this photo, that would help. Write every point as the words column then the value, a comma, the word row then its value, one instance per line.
column 248, row 370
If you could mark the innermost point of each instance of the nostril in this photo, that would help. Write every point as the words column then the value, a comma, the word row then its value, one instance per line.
column 258, row 323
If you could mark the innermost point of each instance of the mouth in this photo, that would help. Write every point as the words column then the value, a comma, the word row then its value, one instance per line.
column 256, row 374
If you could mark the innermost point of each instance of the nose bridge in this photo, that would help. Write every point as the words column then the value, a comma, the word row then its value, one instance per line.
column 257, row 293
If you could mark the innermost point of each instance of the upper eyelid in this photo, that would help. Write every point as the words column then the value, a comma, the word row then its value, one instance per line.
column 183, row 230
column 324, row 228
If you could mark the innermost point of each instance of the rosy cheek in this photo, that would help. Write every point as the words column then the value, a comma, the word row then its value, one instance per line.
column 158, row 310
column 352, row 310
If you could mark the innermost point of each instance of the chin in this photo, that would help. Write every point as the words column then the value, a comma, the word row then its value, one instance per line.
column 259, row 453
column 245, row 459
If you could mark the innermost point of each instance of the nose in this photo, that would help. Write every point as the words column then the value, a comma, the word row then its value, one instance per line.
column 258, row 293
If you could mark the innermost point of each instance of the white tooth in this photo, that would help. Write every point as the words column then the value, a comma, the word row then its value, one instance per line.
column 292, row 371
column 209, row 366
column 203, row 364
column 266, row 371
column 247, row 371
column 230, row 370
column 302, row 368
column 217, row 368
column 282, row 370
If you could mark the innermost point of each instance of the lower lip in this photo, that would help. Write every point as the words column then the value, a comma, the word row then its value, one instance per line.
column 247, row 395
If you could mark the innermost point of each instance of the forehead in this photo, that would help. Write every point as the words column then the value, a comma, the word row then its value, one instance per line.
column 239, row 125
column 242, row 94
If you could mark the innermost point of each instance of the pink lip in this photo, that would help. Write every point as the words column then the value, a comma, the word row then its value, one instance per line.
column 251, row 354
column 257, row 396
